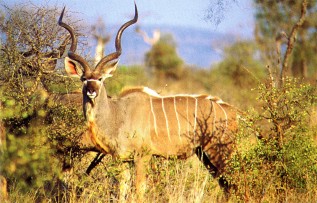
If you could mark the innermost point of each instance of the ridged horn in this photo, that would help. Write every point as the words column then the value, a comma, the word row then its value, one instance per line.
column 73, row 47
column 116, row 54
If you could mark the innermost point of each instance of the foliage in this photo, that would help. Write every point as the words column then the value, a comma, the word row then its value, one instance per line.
column 28, row 53
column 240, row 65
column 25, row 160
column 31, row 44
column 125, row 77
column 282, row 160
column 164, row 58
column 275, row 21
column 239, row 71
column 64, row 136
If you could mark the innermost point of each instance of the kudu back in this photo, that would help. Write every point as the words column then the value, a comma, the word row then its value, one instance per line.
column 140, row 123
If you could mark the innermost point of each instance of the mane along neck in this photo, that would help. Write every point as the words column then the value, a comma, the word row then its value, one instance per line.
column 153, row 93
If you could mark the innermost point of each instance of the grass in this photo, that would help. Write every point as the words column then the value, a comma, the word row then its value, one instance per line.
column 167, row 181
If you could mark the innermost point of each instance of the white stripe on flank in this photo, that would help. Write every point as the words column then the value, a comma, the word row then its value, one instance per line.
column 195, row 121
column 225, row 115
column 187, row 116
column 177, row 118
column 166, row 120
column 214, row 121
column 154, row 118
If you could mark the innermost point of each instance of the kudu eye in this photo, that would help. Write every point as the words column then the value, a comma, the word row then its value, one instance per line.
column 83, row 79
column 100, row 79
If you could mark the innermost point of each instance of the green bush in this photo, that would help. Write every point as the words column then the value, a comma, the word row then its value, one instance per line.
column 281, row 164
column 27, row 159
column 125, row 77
column 164, row 59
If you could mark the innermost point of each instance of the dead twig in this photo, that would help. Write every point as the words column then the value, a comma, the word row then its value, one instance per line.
column 291, row 41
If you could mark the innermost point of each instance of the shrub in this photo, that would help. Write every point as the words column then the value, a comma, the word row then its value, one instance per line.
column 164, row 59
column 282, row 160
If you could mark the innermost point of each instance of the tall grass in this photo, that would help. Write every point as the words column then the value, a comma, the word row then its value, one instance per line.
column 167, row 181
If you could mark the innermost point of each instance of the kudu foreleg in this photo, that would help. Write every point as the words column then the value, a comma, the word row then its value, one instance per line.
column 95, row 162
column 124, row 182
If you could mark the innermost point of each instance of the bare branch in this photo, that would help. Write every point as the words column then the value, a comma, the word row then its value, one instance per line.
column 291, row 41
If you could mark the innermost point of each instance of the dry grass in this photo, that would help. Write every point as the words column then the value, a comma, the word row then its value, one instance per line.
column 167, row 181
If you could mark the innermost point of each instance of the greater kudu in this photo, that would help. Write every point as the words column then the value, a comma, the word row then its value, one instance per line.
column 141, row 123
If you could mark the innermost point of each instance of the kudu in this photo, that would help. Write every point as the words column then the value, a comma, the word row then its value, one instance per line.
column 140, row 123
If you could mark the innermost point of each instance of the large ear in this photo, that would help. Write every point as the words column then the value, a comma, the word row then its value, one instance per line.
column 108, row 70
column 72, row 68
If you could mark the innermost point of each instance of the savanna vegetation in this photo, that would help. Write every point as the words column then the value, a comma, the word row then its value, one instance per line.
column 271, row 79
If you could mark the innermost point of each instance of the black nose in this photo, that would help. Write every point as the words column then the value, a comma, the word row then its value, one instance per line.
column 90, row 90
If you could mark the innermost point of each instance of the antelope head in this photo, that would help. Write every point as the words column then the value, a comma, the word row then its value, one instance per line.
column 77, row 66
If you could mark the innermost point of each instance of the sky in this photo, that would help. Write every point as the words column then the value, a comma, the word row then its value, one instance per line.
column 231, row 17
column 236, row 17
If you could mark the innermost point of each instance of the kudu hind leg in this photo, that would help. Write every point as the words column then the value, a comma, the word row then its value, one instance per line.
column 141, row 164
column 212, row 169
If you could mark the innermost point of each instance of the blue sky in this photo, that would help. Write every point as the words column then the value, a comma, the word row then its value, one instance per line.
column 236, row 18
